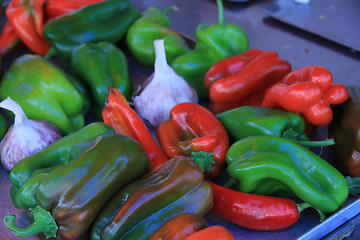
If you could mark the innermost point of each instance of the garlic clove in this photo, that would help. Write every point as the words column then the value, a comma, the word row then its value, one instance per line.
column 25, row 136
column 162, row 90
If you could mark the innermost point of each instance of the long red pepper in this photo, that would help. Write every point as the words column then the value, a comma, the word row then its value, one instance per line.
column 56, row 8
column 27, row 19
column 257, row 212
column 8, row 39
column 126, row 121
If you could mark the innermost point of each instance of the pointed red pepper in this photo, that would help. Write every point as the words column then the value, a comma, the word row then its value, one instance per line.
column 193, row 128
column 27, row 19
column 308, row 91
column 126, row 121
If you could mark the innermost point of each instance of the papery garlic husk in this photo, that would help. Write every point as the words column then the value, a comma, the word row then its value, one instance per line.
column 162, row 90
column 25, row 136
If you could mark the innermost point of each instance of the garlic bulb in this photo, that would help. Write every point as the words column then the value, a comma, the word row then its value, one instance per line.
column 25, row 136
column 162, row 90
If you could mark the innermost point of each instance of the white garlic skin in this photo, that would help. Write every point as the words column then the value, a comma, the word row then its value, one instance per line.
column 25, row 139
column 163, row 90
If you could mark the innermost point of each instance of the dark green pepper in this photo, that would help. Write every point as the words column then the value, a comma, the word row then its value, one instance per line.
column 25, row 174
column 45, row 92
column 266, row 164
column 101, row 65
column 174, row 187
column 103, row 21
column 213, row 44
column 154, row 24
column 77, row 192
column 3, row 126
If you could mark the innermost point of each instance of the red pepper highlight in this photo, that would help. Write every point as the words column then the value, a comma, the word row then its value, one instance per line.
column 27, row 19
column 243, row 79
column 126, row 121
column 307, row 91
column 252, row 211
column 193, row 128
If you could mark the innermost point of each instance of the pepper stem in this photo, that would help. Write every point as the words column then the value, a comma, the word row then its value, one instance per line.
column 221, row 12
column 43, row 222
column 305, row 205
column 204, row 160
column 322, row 143
column 230, row 183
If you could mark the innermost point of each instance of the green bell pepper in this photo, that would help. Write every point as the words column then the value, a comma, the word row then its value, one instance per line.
column 213, row 44
column 25, row 174
column 45, row 92
column 266, row 164
column 75, row 193
column 154, row 24
column 102, row 21
column 139, row 209
column 101, row 65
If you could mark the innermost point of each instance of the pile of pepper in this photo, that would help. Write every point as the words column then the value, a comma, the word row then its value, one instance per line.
column 118, row 178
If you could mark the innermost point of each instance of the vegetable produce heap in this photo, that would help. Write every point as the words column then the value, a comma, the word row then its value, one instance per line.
column 112, row 178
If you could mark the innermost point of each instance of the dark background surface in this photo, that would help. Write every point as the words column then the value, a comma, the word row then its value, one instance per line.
column 299, row 47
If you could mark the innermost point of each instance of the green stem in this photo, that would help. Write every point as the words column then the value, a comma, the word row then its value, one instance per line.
column 322, row 143
column 50, row 53
column 221, row 12
column 305, row 205
column 43, row 222
column 230, row 183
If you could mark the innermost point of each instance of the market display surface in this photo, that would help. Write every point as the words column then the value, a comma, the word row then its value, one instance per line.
column 119, row 127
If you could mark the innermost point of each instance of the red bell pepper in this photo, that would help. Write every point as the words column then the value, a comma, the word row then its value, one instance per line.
column 215, row 232
column 8, row 39
column 243, row 79
column 252, row 211
column 193, row 128
column 56, row 8
column 126, row 121
column 307, row 91
column 27, row 19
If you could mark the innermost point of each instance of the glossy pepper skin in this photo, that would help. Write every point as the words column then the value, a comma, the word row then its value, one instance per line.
column 118, row 113
column 102, row 21
column 193, row 128
column 24, row 175
column 214, row 43
column 252, row 211
column 179, row 227
column 109, row 162
column 154, row 24
column 308, row 91
column 139, row 209
column 243, row 79
column 249, row 121
column 99, row 66
column 45, row 92
column 345, row 129
column 8, row 39
column 56, row 8
column 267, row 164
column 27, row 19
